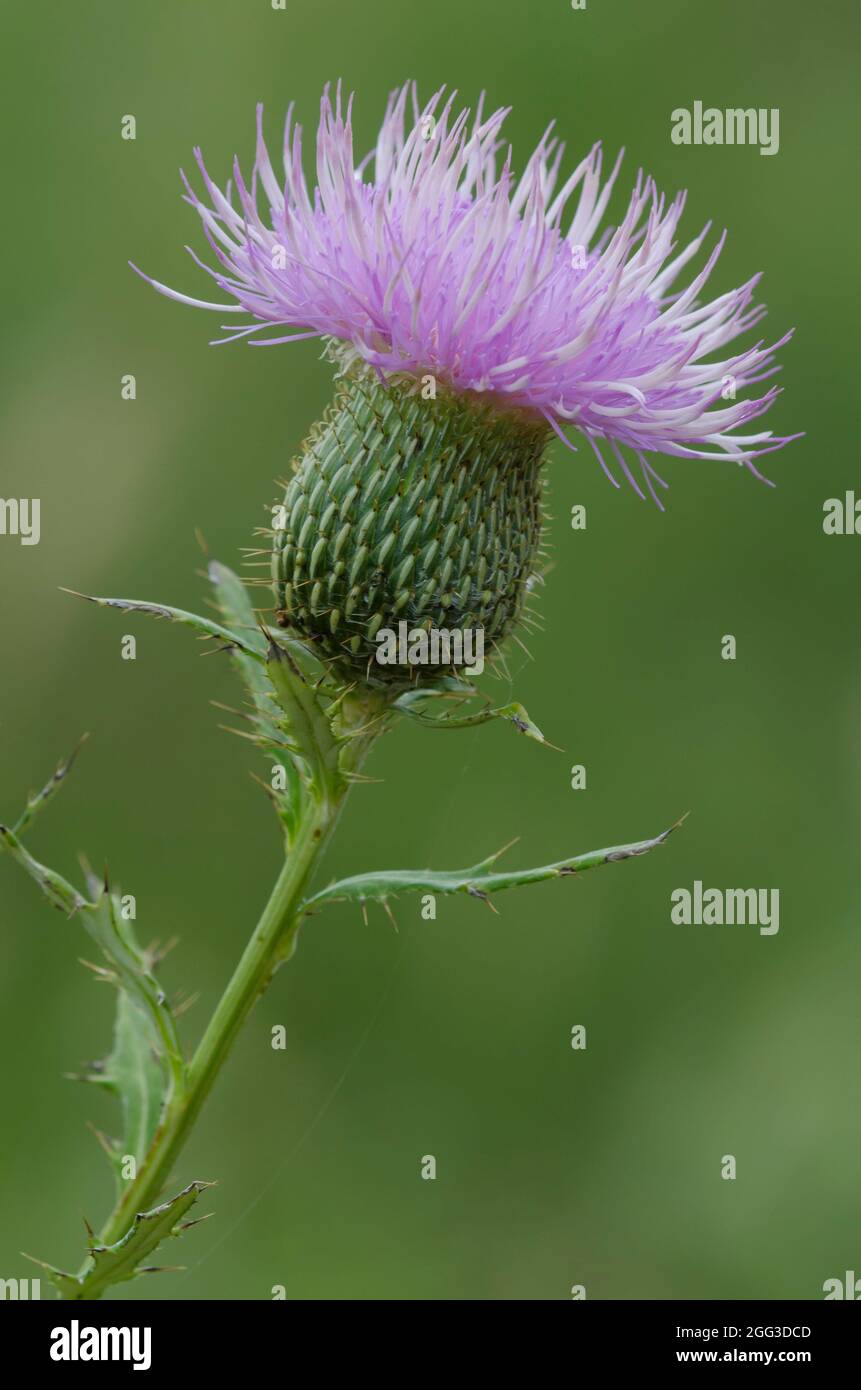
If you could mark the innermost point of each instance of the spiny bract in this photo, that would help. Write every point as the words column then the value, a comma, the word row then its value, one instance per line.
column 402, row 508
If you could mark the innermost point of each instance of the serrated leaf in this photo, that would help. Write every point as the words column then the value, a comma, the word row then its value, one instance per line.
column 205, row 626
column 240, row 616
column 145, row 1067
column 410, row 704
column 237, row 612
column 146, row 1064
column 135, row 1074
column 444, row 687
column 57, row 889
column 479, row 881
column 115, row 1264
column 518, row 716
column 36, row 802
column 307, row 721
column 252, row 653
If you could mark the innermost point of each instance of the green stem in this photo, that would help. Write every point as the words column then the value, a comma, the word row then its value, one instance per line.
column 271, row 943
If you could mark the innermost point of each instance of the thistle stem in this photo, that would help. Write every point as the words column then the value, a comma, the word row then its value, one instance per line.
column 271, row 943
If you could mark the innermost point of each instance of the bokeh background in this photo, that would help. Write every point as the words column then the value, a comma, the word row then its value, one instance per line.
column 451, row 1037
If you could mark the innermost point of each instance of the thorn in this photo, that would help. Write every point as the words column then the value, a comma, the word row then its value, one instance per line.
column 187, row 1225
column 389, row 913
column 225, row 646
column 240, row 733
column 101, row 971
column 270, row 791
column 65, row 767
column 477, row 893
column 342, row 695
column 523, row 728
column 95, row 1075
column 75, row 593
column 156, row 952
column 182, row 1006
column 229, row 709
column 360, row 729
column 649, row 844
column 201, row 541
column 104, row 1141
column 492, row 858
column 268, row 635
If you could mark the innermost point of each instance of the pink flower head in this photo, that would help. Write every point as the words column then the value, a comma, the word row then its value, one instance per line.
column 441, row 261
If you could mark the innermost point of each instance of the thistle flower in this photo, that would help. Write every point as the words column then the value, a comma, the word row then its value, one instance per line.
column 465, row 332
column 469, row 325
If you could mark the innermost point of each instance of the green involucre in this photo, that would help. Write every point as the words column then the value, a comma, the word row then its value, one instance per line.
column 405, row 509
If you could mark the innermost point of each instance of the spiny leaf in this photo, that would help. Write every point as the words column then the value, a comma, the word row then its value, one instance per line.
column 134, row 1073
column 445, row 687
column 479, row 881
column 35, row 803
column 521, row 721
column 146, row 1065
column 238, row 613
column 115, row 1264
column 59, row 892
column 241, row 637
column 307, row 721
column 409, row 704
column 205, row 626
column 236, row 609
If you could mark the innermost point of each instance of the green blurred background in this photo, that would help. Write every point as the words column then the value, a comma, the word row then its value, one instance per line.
column 452, row 1037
